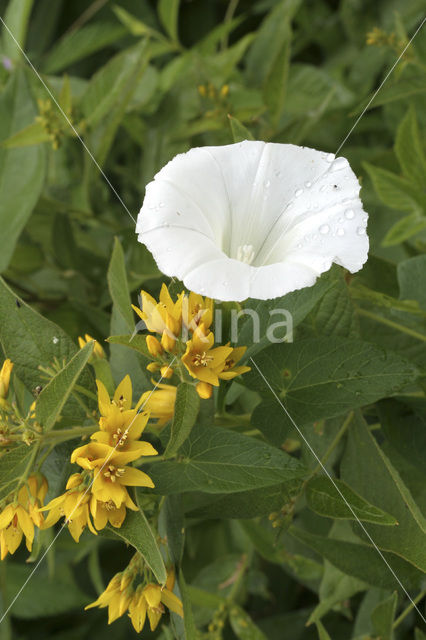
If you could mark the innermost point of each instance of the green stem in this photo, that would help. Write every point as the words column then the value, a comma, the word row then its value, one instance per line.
column 391, row 323
column 333, row 445
column 230, row 420
column 410, row 607
column 67, row 434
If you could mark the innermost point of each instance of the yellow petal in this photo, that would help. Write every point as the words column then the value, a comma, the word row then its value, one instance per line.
column 172, row 602
column 104, row 401
column 123, row 393
column 25, row 523
column 135, row 478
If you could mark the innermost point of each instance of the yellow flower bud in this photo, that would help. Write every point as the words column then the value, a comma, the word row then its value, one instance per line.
column 166, row 371
column 168, row 339
column 153, row 367
column 204, row 390
column 154, row 347
column 98, row 351
column 5, row 372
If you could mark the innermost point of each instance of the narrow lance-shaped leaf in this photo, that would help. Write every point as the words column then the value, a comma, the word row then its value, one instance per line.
column 136, row 531
column 55, row 394
column 383, row 616
column 238, row 130
column 186, row 411
column 331, row 499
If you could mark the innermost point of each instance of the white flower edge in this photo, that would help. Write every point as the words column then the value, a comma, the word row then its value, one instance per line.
column 253, row 219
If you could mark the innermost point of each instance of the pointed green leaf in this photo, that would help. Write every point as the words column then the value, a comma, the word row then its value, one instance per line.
column 55, row 394
column 409, row 149
column 394, row 191
column 243, row 626
column 136, row 531
column 186, row 411
column 238, row 130
column 16, row 17
column 117, row 283
column 322, row 632
column 404, row 229
column 168, row 12
column 327, row 500
column 35, row 133
column 383, row 616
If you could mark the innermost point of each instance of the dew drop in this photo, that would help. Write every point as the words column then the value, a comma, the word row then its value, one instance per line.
column 267, row 184
column 361, row 231
column 298, row 192
column 349, row 214
column 55, row 340
column 340, row 232
column 338, row 164
column 166, row 224
column 365, row 218
column 308, row 184
column 300, row 245
column 330, row 157
column 324, row 229
column 277, row 173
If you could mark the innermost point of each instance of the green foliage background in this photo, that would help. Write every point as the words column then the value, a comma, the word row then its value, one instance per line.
column 140, row 82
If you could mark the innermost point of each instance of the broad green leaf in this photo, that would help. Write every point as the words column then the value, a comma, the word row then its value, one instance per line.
column 322, row 631
column 325, row 377
column 243, row 626
column 404, row 424
column 335, row 313
column 12, row 465
column 411, row 275
column 366, row 468
column 22, row 171
column 186, row 411
column 168, row 11
column 394, row 191
column 243, row 504
column 118, row 287
column 404, row 229
column 383, row 616
column 267, row 321
column 136, row 531
column 238, row 130
column 30, row 340
column 16, row 18
column 55, row 394
column 327, row 500
column 409, row 149
column 311, row 89
column 216, row 460
column 78, row 44
column 361, row 561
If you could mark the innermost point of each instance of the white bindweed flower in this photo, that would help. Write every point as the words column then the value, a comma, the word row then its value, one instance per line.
column 253, row 219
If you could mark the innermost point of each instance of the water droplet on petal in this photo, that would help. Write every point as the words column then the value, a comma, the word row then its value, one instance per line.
column 365, row 218
column 161, row 205
column 338, row 164
column 324, row 229
column 330, row 157
column 298, row 192
column 166, row 224
column 300, row 245
column 55, row 340
column 267, row 184
column 277, row 173
column 361, row 231
column 308, row 184
column 323, row 188
column 340, row 232
column 349, row 214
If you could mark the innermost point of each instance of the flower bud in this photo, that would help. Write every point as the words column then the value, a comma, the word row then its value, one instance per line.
column 166, row 371
column 154, row 347
column 204, row 390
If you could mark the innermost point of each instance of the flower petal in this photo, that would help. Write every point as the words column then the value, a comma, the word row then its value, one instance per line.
column 253, row 219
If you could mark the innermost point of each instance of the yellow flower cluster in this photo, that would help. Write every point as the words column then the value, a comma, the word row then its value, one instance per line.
column 141, row 600
column 98, row 352
column 19, row 517
column 98, row 494
column 183, row 336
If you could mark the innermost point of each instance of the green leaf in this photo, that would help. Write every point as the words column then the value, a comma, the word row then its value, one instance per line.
column 361, row 561
column 276, row 81
column 238, row 130
column 16, row 17
column 404, row 229
column 366, row 468
column 335, row 588
column 383, row 616
column 394, row 191
column 188, row 616
column 216, row 460
column 334, row 314
column 400, row 89
column 410, row 275
column 22, row 171
column 55, row 394
column 325, row 377
column 136, row 26
column 118, row 287
column 12, row 465
column 168, row 11
column 136, row 342
column 33, row 134
column 78, row 44
column 30, row 340
column 409, row 149
column 323, row 497
column 186, row 411
column 243, row 626
column 136, row 531
column 322, row 632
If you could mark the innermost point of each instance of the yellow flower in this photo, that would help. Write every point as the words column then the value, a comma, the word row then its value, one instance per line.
column 230, row 370
column 5, row 372
column 104, row 512
column 150, row 600
column 197, row 310
column 157, row 315
column 19, row 517
column 120, row 426
column 160, row 403
column 73, row 505
column 202, row 360
column 98, row 351
column 117, row 597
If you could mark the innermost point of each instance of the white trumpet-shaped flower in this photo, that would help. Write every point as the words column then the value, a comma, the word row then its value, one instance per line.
column 253, row 219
